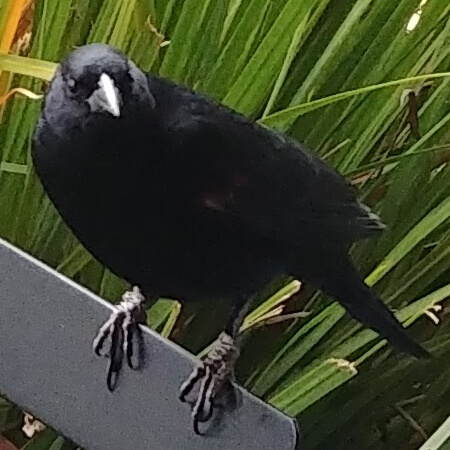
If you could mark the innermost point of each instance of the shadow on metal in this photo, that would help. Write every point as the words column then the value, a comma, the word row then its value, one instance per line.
column 47, row 323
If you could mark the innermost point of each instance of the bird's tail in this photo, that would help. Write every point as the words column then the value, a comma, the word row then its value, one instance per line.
column 346, row 286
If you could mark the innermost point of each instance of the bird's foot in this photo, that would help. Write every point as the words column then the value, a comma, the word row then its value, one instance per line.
column 124, row 335
column 211, row 375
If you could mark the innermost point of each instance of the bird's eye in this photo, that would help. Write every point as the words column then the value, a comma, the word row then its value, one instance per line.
column 71, row 84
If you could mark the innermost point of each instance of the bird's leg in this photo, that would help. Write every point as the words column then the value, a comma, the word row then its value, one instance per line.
column 216, row 370
column 124, row 335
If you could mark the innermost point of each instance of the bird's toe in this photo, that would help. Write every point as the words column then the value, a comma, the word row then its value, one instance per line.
column 209, row 378
column 124, row 336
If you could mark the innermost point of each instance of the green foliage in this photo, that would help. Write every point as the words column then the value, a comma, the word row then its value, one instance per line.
column 332, row 74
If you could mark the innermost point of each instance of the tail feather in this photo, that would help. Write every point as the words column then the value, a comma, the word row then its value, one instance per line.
column 368, row 309
column 345, row 285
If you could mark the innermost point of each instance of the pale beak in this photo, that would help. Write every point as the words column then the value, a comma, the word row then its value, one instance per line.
column 106, row 98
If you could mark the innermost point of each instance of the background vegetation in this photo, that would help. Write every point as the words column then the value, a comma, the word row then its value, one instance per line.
column 350, row 79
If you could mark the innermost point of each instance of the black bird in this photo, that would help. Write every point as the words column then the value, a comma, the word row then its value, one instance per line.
column 185, row 198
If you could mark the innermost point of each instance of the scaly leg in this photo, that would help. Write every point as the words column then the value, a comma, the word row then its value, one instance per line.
column 216, row 370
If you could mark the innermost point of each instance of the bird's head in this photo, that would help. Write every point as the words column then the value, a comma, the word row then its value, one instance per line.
column 98, row 78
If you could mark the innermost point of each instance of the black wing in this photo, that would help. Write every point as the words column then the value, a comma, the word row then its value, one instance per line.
column 258, row 179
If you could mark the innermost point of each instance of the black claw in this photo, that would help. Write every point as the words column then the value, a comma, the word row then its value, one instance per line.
column 195, row 423
column 135, row 339
column 112, row 379
column 135, row 346
column 130, row 334
column 206, row 417
column 98, row 348
column 201, row 419
column 141, row 348
column 115, row 355
column 113, row 376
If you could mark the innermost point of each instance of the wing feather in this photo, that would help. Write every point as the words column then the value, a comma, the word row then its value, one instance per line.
column 261, row 181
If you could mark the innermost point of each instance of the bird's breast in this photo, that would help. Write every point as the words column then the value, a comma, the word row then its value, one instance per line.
column 135, row 215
